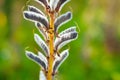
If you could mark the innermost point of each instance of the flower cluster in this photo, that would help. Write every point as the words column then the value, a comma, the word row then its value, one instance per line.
column 48, row 24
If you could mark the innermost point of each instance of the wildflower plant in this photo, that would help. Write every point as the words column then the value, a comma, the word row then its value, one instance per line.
column 48, row 25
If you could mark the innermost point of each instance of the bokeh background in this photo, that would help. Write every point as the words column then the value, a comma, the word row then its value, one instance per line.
column 95, row 55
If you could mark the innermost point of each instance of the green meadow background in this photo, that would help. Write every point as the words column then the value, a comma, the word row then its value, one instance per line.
column 95, row 55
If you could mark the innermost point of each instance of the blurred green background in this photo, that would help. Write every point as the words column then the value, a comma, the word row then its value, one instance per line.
column 95, row 55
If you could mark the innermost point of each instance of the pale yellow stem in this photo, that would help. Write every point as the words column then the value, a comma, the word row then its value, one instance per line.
column 51, row 48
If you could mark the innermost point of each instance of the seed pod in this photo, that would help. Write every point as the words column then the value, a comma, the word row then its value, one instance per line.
column 36, row 10
column 36, row 59
column 62, row 20
column 59, row 60
column 42, row 30
column 36, row 17
column 42, row 44
column 60, row 4
column 69, row 30
column 42, row 57
column 64, row 39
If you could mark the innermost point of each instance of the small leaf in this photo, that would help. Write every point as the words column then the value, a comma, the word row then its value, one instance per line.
column 42, row 76
column 42, row 44
column 62, row 20
column 59, row 60
column 42, row 30
column 44, row 3
column 36, row 59
column 60, row 4
column 69, row 30
column 34, row 9
column 35, row 17
column 64, row 39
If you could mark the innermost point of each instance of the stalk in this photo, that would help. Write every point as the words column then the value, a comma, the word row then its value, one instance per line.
column 51, row 47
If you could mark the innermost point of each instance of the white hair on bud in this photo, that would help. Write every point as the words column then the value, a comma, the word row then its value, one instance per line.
column 42, row 44
column 34, row 9
column 35, row 17
column 42, row 76
column 36, row 59
column 42, row 57
column 69, row 30
column 59, row 60
column 53, row 4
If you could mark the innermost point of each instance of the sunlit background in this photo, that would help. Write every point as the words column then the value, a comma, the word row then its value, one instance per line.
column 95, row 55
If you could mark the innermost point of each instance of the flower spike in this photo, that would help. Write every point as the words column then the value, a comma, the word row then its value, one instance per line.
column 48, row 25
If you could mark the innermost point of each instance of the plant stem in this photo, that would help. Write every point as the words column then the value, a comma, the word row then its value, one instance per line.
column 51, row 47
